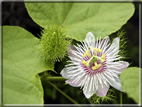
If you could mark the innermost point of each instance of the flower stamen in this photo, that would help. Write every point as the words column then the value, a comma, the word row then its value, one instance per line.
column 96, row 66
column 103, row 57
column 97, row 50
column 86, row 53
column 84, row 62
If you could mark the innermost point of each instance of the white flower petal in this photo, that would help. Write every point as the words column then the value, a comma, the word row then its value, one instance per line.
column 87, row 90
column 96, row 43
column 105, row 48
column 89, row 94
column 116, row 84
column 74, row 59
column 76, row 81
column 111, row 60
column 84, row 80
column 99, row 79
column 118, row 67
column 104, row 79
column 115, row 46
column 75, row 84
column 116, row 42
column 99, row 43
column 96, row 82
column 108, row 75
column 102, row 91
column 84, row 46
column 69, row 72
column 90, row 39
column 72, row 51
column 64, row 73
column 81, row 49
column 104, row 43
column 77, row 76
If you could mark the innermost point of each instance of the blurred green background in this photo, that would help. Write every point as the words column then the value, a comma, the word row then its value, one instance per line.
column 15, row 14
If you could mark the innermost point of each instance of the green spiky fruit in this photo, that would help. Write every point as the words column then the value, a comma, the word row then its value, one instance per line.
column 54, row 43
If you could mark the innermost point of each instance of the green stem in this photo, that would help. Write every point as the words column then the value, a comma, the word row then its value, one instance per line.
column 121, row 99
column 63, row 93
column 56, row 78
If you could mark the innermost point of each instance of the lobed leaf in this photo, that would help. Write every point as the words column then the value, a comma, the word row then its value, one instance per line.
column 21, row 64
column 102, row 19
column 130, row 82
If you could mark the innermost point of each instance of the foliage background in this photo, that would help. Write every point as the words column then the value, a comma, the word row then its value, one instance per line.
column 15, row 14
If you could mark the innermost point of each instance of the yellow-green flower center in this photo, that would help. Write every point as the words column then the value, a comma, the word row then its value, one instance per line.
column 93, row 58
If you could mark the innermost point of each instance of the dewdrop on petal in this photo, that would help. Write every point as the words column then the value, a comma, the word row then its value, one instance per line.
column 54, row 43
column 94, row 66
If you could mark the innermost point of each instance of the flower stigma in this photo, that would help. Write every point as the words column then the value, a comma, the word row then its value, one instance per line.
column 92, row 53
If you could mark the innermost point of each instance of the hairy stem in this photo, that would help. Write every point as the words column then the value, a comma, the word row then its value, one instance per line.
column 63, row 93
column 121, row 99
column 56, row 78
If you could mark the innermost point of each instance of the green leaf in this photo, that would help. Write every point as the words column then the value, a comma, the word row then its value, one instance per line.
column 21, row 64
column 102, row 19
column 130, row 82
